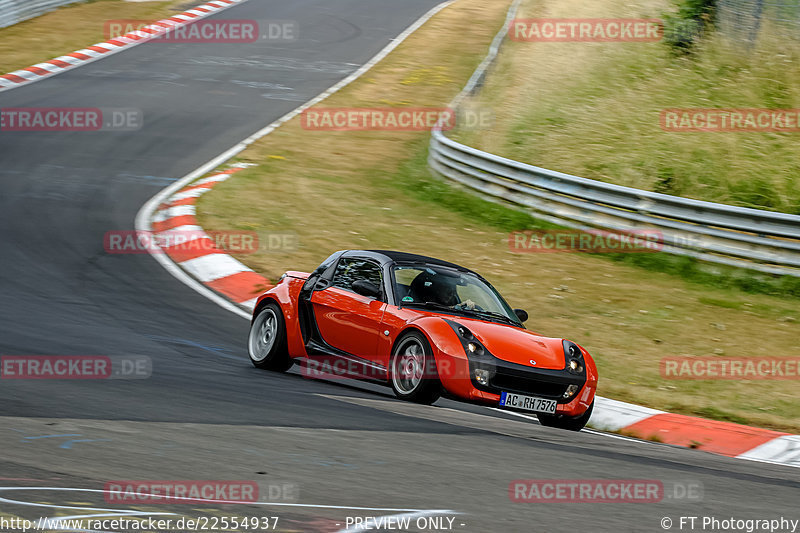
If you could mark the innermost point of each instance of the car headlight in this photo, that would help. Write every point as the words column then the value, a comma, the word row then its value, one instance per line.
column 571, row 391
column 482, row 376
column 475, row 348
column 481, row 362
column 471, row 345
column 574, row 351
column 573, row 357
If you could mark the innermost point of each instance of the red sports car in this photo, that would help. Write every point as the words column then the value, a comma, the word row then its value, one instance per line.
column 425, row 327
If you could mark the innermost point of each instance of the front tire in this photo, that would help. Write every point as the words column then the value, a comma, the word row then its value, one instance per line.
column 570, row 423
column 413, row 373
column 266, row 342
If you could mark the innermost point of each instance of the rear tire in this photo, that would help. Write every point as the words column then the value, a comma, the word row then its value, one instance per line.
column 571, row 423
column 266, row 342
column 412, row 371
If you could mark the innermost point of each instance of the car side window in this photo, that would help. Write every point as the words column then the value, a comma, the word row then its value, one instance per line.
column 350, row 270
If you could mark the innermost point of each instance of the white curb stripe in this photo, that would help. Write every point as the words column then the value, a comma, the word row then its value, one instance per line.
column 249, row 304
column 176, row 211
column 47, row 66
column 70, row 60
column 53, row 70
column 27, row 74
column 194, row 193
column 171, row 238
column 609, row 415
column 784, row 450
column 143, row 222
column 90, row 53
column 212, row 179
column 188, row 228
column 107, row 46
column 613, row 415
column 213, row 267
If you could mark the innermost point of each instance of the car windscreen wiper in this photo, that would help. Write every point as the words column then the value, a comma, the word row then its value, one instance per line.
column 492, row 314
column 474, row 312
column 432, row 305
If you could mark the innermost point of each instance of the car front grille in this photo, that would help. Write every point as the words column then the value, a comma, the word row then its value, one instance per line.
column 526, row 385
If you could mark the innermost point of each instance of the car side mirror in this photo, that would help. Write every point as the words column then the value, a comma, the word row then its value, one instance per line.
column 521, row 314
column 366, row 288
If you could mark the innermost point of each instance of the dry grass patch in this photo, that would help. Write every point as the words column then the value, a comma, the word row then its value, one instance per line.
column 339, row 190
column 73, row 27
column 593, row 110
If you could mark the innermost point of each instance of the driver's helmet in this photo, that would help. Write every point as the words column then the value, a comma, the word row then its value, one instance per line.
column 432, row 287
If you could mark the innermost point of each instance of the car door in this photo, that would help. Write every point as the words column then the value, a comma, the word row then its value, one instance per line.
column 348, row 321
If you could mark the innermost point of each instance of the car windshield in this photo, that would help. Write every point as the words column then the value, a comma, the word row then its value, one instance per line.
column 445, row 288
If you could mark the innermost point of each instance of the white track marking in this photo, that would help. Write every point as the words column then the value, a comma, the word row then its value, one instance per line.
column 144, row 216
column 194, row 500
column 585, row 430
column 613, row 415
column 7, row 85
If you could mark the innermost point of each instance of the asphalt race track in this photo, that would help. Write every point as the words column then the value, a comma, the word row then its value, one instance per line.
column 321, row 452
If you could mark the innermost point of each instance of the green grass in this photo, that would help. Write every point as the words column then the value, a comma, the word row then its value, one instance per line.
column 73, row 27
column 593, row 111
column 338, row 190
column 415, row 179
column 718, row 276
column 718, row 414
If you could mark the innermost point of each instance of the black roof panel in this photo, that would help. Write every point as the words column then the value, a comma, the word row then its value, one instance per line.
column 405, row 257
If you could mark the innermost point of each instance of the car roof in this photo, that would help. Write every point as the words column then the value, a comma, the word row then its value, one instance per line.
column 405, row 257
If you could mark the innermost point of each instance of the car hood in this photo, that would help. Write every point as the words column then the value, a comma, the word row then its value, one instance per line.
column 517, row 345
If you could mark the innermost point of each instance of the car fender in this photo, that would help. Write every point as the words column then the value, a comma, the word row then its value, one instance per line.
column 285, row 294
column 452, row 364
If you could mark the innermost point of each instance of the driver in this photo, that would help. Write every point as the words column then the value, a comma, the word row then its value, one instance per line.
column 429, row 287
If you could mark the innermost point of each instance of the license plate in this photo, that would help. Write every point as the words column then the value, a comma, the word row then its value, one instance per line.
column 527, row 403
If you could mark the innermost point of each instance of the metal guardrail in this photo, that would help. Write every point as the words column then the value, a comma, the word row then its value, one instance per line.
column 759, row 240
column 13, row 11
